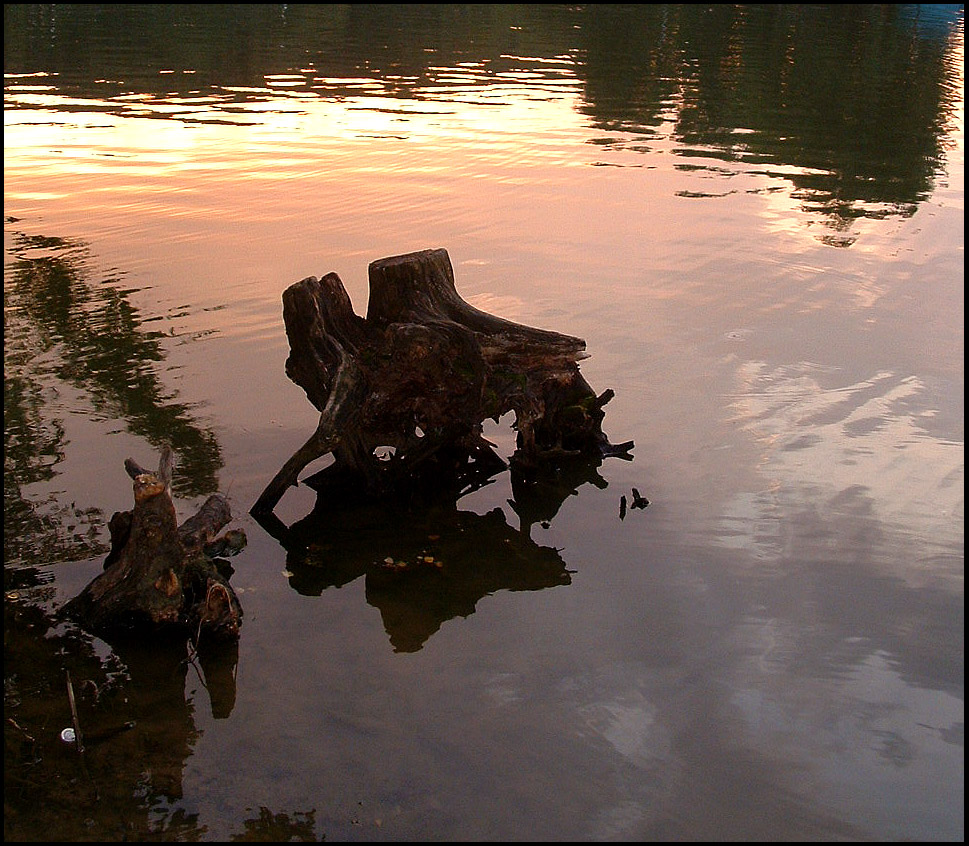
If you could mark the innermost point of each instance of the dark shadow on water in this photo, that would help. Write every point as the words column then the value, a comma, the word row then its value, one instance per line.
column 425, row 560
column 267, row 827
column 137, row 715
column 537, row 497
column 137, row 731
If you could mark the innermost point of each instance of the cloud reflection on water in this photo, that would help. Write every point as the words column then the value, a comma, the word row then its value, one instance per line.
column 846, row 449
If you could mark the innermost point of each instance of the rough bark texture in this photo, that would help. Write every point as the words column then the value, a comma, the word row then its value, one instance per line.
column 418, row 376
column 159, row 575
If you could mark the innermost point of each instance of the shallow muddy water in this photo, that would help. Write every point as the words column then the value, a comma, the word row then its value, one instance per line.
column 753, row 215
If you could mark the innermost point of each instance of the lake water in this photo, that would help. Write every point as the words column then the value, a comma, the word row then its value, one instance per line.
column 753, row 215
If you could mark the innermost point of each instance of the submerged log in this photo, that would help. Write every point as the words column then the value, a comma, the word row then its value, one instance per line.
column 159, row 575
column 403, row 393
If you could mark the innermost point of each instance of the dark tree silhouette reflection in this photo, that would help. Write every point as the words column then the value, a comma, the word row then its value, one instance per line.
column 93, row 338
column 848, row 103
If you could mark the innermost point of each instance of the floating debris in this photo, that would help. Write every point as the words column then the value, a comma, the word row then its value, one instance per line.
column 422, row 561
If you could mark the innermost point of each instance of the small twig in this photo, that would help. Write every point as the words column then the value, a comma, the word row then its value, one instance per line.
column 134, row 469
column 77, row 736
column 77, row 724
column 192, row 654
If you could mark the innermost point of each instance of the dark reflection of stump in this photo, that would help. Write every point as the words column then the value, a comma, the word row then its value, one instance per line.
column 159, row 668
column 218, row 662
column 539, row 493
column 424, row 560
column 164, row 722
column 479, row 555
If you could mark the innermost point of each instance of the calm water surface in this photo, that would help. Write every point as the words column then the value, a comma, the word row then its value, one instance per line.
column 754, row 217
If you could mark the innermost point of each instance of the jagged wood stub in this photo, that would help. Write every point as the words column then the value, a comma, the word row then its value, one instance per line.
column 160, row 576
column 420, row 374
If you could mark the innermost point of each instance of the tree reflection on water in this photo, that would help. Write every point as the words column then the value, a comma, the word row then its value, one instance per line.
column 760, row 85
column 848, row 103
column 63, row 327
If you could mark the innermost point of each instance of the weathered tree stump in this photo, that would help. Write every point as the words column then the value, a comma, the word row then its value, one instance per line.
column 160, row 576
column 403, row 393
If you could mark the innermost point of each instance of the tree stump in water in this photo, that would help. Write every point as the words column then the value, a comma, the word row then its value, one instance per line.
column 403, row 393
column 158, row 575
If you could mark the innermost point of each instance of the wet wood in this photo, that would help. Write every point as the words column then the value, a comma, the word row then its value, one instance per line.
column 158, row 575
column 403, row 393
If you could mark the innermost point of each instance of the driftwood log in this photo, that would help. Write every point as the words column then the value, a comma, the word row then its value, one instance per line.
column 403, row 393
column 161, row 576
